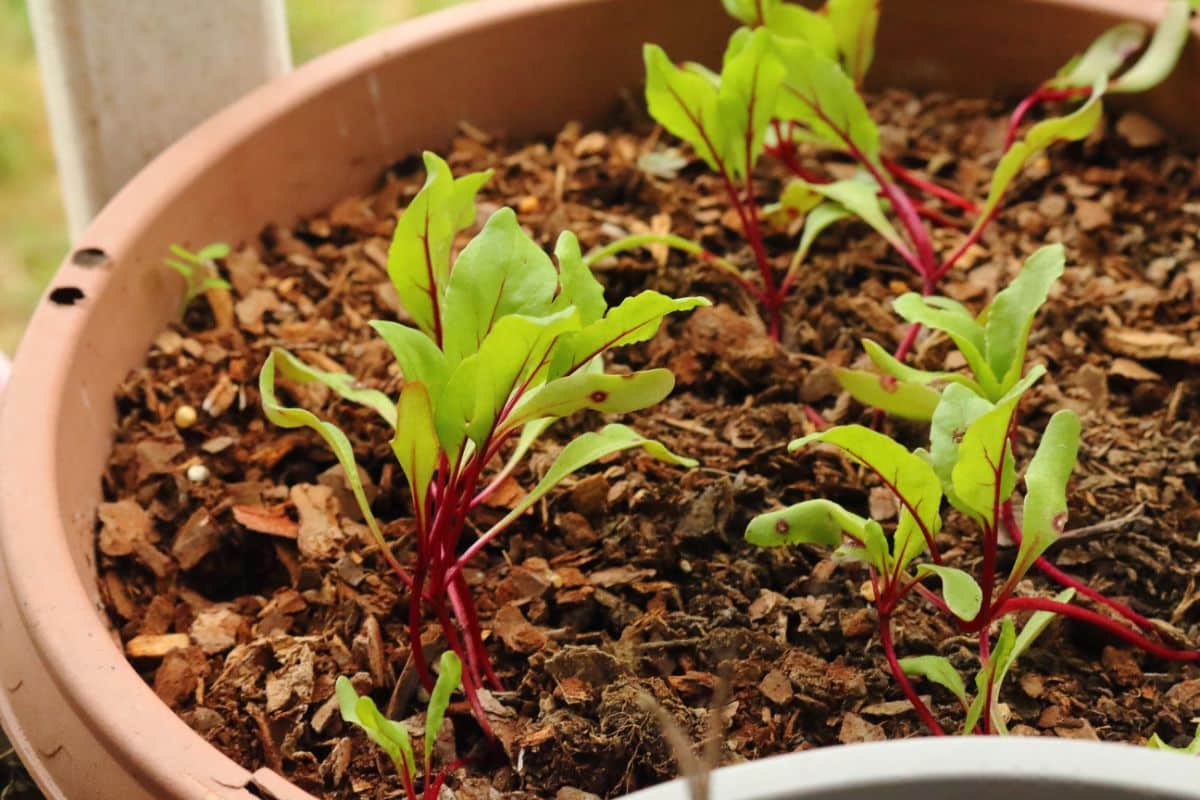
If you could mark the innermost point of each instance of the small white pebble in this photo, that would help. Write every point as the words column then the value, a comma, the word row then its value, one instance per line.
column 185, row 417
column 197, row 473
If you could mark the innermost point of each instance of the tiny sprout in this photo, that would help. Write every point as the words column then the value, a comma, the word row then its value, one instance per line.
column 198, row 269
column 1192, row 749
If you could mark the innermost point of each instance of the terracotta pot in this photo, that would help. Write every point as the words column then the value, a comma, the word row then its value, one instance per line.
column 80, row 717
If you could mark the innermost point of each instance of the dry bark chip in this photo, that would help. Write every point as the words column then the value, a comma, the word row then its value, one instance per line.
column 1151, row 345
column 155, row 645
column 776, row 687
column 294, row 679
column 198, row 537
column 179, row 674
column 827, row 682
column 216, row 629
column 251, row 309
column 856, row 729
column 516, row 632
column 271, row 521
column 1139, row 131
column 319, row 535
column 126, row 529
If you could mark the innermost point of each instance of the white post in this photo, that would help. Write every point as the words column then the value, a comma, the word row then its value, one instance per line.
column 125, row 78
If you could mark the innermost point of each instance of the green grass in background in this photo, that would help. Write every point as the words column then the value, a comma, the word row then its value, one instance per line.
column 33, row 236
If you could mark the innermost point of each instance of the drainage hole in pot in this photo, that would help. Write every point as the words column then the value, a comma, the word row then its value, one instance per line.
column 66, row 295
column 89, row 257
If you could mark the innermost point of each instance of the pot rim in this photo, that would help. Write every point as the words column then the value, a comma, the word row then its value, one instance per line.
column 133, row 726
column 1002, row 764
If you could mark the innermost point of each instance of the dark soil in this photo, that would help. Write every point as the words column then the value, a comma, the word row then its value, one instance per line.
column 242, row 592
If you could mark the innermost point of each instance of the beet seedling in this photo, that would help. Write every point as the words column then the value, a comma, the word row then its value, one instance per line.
column 198, row 270
column 1192, row 749
column 393, row 738
column 993, row 344
column 506, row 342
column 971, row 464
column 792, row 75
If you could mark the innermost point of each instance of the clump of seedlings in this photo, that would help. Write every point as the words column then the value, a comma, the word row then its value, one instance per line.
column 971, row 463
column 198, row 270
column 505, row 342
column 393, row 737
column 790, row 77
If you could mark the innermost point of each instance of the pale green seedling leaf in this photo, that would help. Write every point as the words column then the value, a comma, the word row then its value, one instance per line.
column 609, row 394
column 418, row 356
column 937, row 669
column 1163, row 52
column 1193, row 749
column 794, row 21
column 961, row 592
column 906, row 400
column 818, row 219
column 750, row 80
column 861, row 197
column 391, row 737
column 415, row 443
column 985, row 474
column 1030, row 631
column 986, row 684
column 212, row 252
column 957, row 409
column 905, row 474
column 449, row 677
column 820, row 522
column 686, row 104
column 586, row 449
column 499, row 273
column 854, row 24
column 951, row 318
column 418, row 260
column 343, row 385
column 890, row 365
column 337, row 442
column 1045, row 510
column 635, row 320
column 749, row 12
column 1103, row 58
column 1072, row 127
column 577, row 285
column 1010, row 315
column 822, row 99
column 796, row 200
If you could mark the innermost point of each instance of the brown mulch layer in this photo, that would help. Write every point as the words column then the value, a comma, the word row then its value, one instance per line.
column 237, row 571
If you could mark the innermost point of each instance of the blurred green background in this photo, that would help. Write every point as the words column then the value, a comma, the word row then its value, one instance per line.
column 33, row 234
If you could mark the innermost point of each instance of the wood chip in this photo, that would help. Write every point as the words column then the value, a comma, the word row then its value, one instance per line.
column 271, row 521
column 1151, row 345
column 155, row 645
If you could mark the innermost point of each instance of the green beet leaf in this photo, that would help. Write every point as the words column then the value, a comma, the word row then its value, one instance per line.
column 419, row 256
column 343, row 385
column 937, row 669
column 815, row 223
column 419, row 357
column 609, row 394
column 635, row 320
column 499, row 273
column 578, row 287
column 1074, row 126
column 449, row 677
column 890, row 365
column 861, row 197
column 986, row 680
column 1193, row 749
column 1045, row 510
column 793, row 21
column 750, row 80
column 1009, row 318
column 984, row 475
column 686, row 104
column 953, row 319
column 820, row 522
column 1034, row 627
column 906, row 400
column 958, row 409
column 1103, row 58
column 391, row 737
column 961, row 592
column 1163, row 52
column 586, row 449
column 821, row 98
column 854, row 24
column 905, row 474
column 198, row 270
column 337, row 442
column 415, row 443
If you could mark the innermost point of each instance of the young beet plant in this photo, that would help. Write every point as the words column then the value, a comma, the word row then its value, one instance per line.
column 993, row 346
column 198, row 270
column 791, row 76
column 505, row 343
column 393, row 737
column 971, row 463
